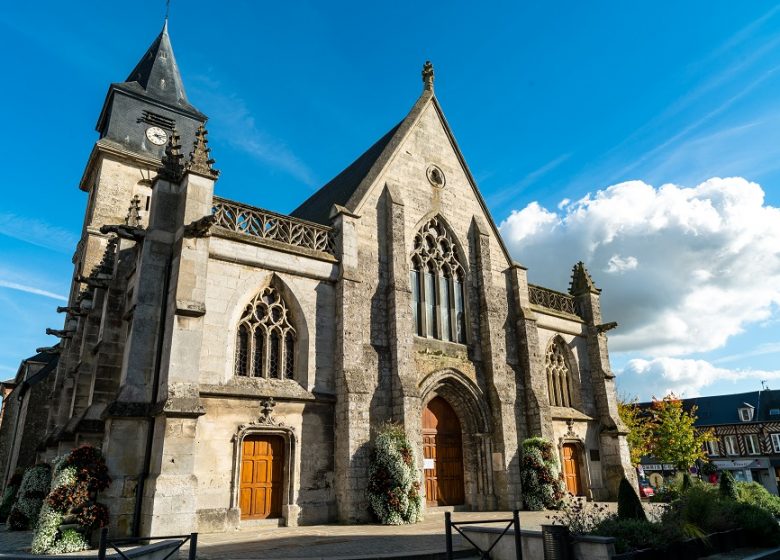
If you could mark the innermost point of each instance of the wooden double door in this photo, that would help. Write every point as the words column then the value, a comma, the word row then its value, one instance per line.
column 571, row 469
column 262, row 477
column 442, row 454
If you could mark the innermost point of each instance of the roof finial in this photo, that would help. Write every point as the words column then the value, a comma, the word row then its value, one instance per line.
column 167, row 11
column 427, row 75
column 200, row 162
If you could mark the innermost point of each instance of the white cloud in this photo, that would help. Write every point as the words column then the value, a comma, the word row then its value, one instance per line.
column 686, row 378
column 36, row 232
column 618, row 264
column 704, row 261
column 232, row 117
column 31, row 290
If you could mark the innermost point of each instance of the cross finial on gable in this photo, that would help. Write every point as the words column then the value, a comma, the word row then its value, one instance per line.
column 427, row 75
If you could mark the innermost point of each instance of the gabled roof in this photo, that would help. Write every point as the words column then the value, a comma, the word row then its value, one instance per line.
column 338, row 190
column 349, row 187
column 157, row 75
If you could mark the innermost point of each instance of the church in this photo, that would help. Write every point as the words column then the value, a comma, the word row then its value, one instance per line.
column 234, row 364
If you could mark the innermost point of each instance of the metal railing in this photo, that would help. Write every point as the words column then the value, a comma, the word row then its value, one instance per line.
column 449, row 525
column 105, row 543
column 270, row 225
column 551, row 299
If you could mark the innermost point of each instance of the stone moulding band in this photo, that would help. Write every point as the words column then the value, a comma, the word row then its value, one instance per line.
column 551, row 299
column 264, row 224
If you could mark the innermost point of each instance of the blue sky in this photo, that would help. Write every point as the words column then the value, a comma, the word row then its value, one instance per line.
column 549, row 102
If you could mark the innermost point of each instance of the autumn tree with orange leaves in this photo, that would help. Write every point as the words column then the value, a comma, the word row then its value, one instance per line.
column 674, row 438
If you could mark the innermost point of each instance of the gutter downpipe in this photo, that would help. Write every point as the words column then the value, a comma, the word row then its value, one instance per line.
column 139, row 496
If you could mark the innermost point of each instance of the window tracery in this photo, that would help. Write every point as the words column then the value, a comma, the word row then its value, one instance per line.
column 265, row 341
column 437, row 279
column 559, row 375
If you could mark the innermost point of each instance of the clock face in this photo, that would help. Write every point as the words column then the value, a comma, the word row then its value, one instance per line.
column 156, row 135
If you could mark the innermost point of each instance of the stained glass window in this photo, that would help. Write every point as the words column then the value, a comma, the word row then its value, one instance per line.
column 437, row 279
column 266, row 340
column 559, row 380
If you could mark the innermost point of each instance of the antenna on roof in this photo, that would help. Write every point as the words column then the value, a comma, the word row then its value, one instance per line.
column 764, row 385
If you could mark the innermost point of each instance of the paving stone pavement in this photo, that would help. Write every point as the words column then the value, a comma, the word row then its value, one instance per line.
column 14, row 541
column 345, row 541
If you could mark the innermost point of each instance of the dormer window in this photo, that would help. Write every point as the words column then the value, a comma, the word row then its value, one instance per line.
column 746, row 413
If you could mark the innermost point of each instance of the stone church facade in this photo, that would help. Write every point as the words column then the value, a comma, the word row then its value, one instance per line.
column 234, row 363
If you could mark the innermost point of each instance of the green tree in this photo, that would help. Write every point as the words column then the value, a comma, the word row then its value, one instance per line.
column 675, row 439
column 640, row 428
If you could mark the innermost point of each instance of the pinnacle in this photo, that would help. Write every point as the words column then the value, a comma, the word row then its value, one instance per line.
column 172, row 168
column 581, row 281
column 200, row 162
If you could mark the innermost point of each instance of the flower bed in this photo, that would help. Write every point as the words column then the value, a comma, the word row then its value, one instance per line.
column 703, row 520
column 393, row 485
column 32, row 491
column 70, row 511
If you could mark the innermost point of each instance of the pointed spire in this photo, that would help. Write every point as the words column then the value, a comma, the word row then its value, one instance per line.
column 199, row 161
column 172, row 167
column 158, row 74
column 581, row 282
column 427, row 76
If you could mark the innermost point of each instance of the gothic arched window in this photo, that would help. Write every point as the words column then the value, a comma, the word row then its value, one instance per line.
column 437, row 279
column 559, row 378
column 265, row 341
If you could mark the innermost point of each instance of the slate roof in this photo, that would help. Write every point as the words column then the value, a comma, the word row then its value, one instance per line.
column 338, row 190
column 157, row 75
column 724, row 409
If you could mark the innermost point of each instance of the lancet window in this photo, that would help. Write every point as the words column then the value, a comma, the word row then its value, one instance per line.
column 437, row 279
column 265, row 341
column 559, row 376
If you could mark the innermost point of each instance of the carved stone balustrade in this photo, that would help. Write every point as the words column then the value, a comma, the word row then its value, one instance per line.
column 264, row 224
column 557, row 301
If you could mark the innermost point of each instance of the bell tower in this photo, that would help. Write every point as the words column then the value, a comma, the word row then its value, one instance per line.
column 138, row 117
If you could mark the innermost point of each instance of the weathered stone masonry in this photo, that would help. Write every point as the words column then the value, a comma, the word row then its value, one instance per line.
column 208, row 428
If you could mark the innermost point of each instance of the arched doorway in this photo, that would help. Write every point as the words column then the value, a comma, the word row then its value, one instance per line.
column 262, row 476
column 571, row 469
column 442, row 454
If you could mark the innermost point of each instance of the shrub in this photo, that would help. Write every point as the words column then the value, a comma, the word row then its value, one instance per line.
column 728, row 486
column 77, row 477
column 32, row 490
column 755, row 494
column 629, row 504
column 70, row 541
column 701, row 509
column 9, row 497
column 393, row 485
column 92, row 516
column 90, row 467
column 580, row 516
column 631, row 534
column 541, row 479
column 17, row 521
column 760, row 526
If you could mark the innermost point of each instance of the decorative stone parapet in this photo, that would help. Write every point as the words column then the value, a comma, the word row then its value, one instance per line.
column 557, row 301
column 264, row 224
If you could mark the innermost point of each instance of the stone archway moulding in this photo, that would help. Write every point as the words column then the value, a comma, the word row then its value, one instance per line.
column 454, row 383
column 571, row 437
column 268, row 425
